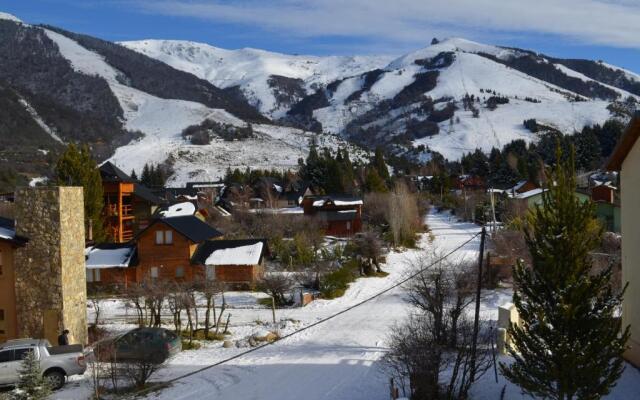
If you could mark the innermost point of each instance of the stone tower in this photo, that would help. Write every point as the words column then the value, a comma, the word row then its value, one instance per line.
column 50, row 276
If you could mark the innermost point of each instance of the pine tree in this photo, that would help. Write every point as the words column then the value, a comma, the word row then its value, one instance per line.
column 379, row 164
column 374, row 183
column 133, row 175
column 145, row 179
column 76, row 167
column 570, row 344
column 32, row 385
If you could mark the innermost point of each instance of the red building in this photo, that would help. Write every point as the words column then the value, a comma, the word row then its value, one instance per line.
column 604, row 192
column 339, row 215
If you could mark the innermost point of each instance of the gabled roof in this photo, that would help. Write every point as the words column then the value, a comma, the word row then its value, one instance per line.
column 230, row 252
column 111, row 255
column 625, row 144
column 145, row 193
column 110, row 173
column 190, row 226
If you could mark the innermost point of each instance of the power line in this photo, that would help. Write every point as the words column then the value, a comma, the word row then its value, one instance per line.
column 321, row 321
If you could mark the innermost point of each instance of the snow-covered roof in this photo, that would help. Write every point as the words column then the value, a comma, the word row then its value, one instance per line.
column 519, row 185
column 179, row 210
column 109, row 256
column 230, row 252
column 244, row 255
column 6, row 233
column 530, row 193
column 354, row 202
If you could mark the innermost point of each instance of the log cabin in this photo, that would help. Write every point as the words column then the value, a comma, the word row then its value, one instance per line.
column 166, row 246
column 238, row 263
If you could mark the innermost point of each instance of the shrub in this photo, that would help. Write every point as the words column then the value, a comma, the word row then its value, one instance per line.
column 337, row 282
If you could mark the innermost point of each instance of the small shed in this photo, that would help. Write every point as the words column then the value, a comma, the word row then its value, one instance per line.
column 111, row 264
column 239, row 263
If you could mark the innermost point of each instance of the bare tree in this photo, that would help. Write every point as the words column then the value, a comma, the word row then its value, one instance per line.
column 277, row 286
column 369, row 247
column 210, row 288
column 431, row 352
column 135, row 297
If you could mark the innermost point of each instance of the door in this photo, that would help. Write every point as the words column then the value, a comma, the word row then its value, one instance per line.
column 10, row 364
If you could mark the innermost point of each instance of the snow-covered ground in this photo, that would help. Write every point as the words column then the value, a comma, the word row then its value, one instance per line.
column 336, row 359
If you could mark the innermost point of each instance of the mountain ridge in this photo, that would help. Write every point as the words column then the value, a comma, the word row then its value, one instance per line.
column 132, row 102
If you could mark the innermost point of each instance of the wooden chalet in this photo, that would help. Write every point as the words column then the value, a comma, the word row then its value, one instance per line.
column 238, row 263
column 128, row 205
column 339, row 215
column 166, row 246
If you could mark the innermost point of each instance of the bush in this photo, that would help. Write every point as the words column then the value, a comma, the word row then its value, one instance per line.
column 337, row 282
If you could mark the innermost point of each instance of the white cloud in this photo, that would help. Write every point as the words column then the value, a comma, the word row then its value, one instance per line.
column 407, row 22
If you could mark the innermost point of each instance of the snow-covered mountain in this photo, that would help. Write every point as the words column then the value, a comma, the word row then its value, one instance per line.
column 133, row 102
column 129, row 108
column 272, row 82
column 452, row 96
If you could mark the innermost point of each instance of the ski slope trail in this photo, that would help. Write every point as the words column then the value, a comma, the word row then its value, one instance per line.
column 334, row 360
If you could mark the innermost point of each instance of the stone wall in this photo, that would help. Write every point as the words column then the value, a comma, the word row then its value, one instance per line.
column 50, row 270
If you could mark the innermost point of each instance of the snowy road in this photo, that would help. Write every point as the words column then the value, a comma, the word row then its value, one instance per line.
column 335, row 360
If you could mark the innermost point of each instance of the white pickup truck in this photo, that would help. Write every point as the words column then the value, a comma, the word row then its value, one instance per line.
column 56, row 362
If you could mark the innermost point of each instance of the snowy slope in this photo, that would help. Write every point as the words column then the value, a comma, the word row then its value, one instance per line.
column 470, row 73
column 251, row 68
column 162, row 121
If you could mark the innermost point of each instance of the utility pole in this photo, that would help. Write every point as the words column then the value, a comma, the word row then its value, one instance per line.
column 476, row 320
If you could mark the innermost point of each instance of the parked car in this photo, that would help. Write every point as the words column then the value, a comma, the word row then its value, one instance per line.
column 56, row 362
column 141, row 344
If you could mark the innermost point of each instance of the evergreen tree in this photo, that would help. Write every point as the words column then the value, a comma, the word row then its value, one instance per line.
column 133, row 175
column 587, row 150
column 569, row 345
column 76, row 167
column 380, row 166
column 374, row 183
column 31, row 385
column 145, row 179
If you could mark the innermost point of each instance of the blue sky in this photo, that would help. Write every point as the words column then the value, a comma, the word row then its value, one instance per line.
column 608, row 30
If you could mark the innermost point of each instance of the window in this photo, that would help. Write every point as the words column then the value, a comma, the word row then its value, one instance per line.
column 6, row 356
column 20, row 354
column 211, row 272
column 179, row 272
column 154, row 272
column 1, row 315
column 164, row 237
column 93, row 275
column 348, row 225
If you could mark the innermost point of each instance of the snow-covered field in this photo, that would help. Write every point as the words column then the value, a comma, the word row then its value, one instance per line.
column 334, row 360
